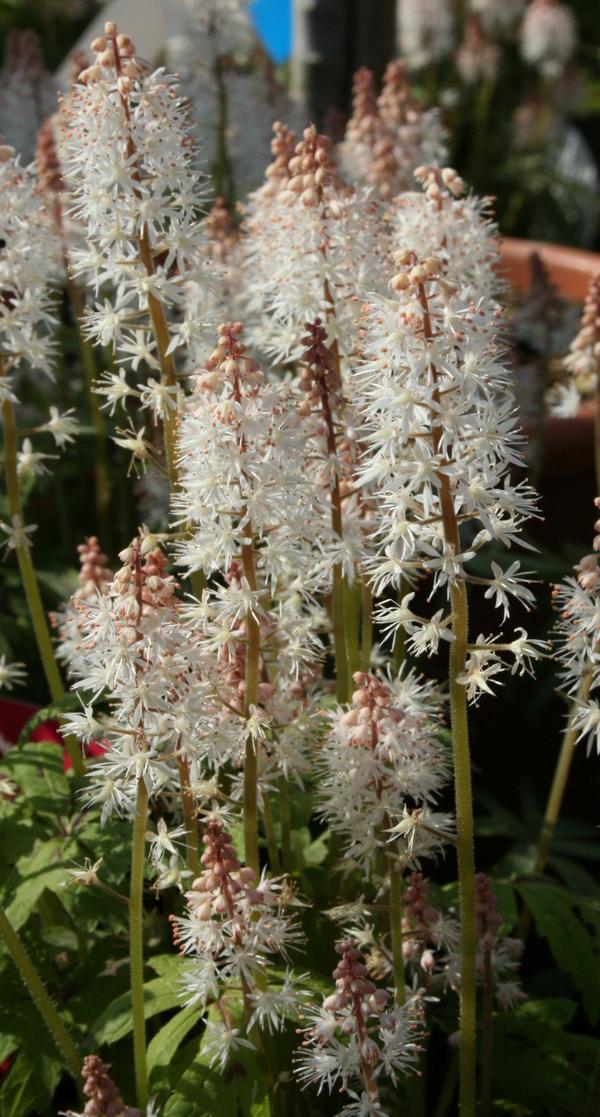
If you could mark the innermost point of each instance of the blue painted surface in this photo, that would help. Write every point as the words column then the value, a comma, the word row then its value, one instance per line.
column 273, row 19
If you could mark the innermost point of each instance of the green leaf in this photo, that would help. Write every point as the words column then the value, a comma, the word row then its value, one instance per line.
column 160, row 995
column 37, row 769
column 575, row 949
column 205, row 1092
column 165, row 1043
column 46, row 867
column 17, row 837
column 540, row 1067
column 31, row 1080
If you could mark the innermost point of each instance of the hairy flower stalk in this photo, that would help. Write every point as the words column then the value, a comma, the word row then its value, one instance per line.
column 129, row 164
column 443, row 437
column 30, row 260
column 39, row 994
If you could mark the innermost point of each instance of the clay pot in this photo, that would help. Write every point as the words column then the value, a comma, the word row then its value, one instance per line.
column 566, row 463
column 570, row 268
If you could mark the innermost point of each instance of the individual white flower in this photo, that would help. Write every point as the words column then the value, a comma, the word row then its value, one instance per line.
column 17, row 533
column 61, row 426
column 32, row 461
column 11, row 674
column 162, row 842
column 220, row 1042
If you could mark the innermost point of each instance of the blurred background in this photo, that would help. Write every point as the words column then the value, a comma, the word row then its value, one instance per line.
column 518, row 83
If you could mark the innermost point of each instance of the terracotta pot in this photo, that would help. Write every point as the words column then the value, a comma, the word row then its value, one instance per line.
column 564, row 457
column 570, row 268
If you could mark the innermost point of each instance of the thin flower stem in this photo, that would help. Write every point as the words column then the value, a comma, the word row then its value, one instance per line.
column 41, row 998
column 366, row 636
column 286, row 827
column 251, row 699
column 459, row 724
column 189, row 817
column 561, row 776
column 557, row 791
column 28, row 577
column 399, row 649
column 465, row 851
column 396, row 906
column 136, row 944
column 101, row 473
column 352, row 605
column 487, row 1044
column 342, row 682
column 270, row 834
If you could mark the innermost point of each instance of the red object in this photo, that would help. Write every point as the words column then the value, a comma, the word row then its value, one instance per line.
column 14, row 715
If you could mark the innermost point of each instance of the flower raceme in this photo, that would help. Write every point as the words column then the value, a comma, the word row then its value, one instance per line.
column 382, row 767
column 358, row 1037
column 577, row 642
column 235, row 924
column 129, row 162
column 442, row 437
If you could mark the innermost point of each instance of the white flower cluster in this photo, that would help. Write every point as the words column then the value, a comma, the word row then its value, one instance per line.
column 235, row 925
column 129, row 160
column 381, row 768
column 312, row 249
column 229, row 79
column 30, row 262
column 582, row 363
column 357, row 1037
column 129, row 645
column 388, row 137
column 442, row 438
column 425, row 31
column 243, row 476
column 577, row 642
column 548, row 36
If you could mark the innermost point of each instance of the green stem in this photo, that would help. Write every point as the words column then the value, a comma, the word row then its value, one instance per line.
column 465, row 851
column 561, row 776
column 251, row 681
column 189, row 817
column 396, row 927
column 366, row 631
column 136, row 944
column 557, row 791
column 270, row 834
column 28, row 577
column 342, row 677
column 459, row 724
column 286, row 825
column 41, row 998
column 352, row 604
column 487, row 1044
